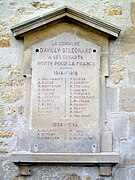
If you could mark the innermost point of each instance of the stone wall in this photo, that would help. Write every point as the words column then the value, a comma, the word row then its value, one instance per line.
column 120, row 87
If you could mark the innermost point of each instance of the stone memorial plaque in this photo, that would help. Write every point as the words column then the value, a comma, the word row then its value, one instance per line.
column 65, row 95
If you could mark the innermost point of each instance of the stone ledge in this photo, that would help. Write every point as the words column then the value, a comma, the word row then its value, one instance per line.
column 44, row 19
column 21, row 158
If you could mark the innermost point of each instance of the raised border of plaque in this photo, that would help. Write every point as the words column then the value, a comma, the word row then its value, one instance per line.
column 70, row 21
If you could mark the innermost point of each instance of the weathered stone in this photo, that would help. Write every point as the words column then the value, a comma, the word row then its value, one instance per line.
column 127, row 153
column 131, row 173
column 3, row 124
column 6, row 134
column 88, row 178
column 3, row 151
column 106, row 141
column 54, row 68
column 105, row 170
column 2, row 27
column 113, row 11
column 1, row 66
column 4, row 35
column 4, row 43
column 131, row 76
column 131, row 131
column 3, row 143
column 1, row 110
column 11, row 111
column 12, row 83
column 20, row 109
column 120, row 126
column 128, row 41
column 127, row 99
column 24, row 140
column 43, row 4
column 111, row 99
column 14, row 71
column 132, row 12
column 12, row 96
column 14, row 19
column 121, row 174
column 131, row 63
column 117, row 73
column 24, row 11
column 118, row 59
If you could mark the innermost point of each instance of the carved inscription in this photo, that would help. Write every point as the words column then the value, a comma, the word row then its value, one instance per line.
column 65, row 95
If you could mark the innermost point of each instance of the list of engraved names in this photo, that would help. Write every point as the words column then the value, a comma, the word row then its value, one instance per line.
column 65, row 86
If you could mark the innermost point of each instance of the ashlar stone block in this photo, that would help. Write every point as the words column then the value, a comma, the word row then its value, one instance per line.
column 120, row 126
column 131, row 132
column 127, row 99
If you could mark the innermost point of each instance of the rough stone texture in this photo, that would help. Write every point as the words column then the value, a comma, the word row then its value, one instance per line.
column 131, row 132
column 127, row 153
column 1, row 110
column 12, row 96
column 128, row 41
column 131, row 173
column 105, row 171
column 6, row 134
column 127, row 99
column 120, row 126
column 121, row 173
column 12, row 83
column 113, row 11
column 120, row 94
column 106, row 141
column 117, row 73
column 42, row 4
column 111, row 99
column 132, row 12
column 14, row 71
column 4, row 43
column 131, row 77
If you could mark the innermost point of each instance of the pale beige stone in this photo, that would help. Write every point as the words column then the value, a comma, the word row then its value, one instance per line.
column 128, row 41
column 11, row 111
column 113, row 11
column 43, row 4
column 68, row 99
column 12, row 96
column 121, row 174
column 106, row 141
column 2, row 27
column 4, row 35
column 15, row 19
column 1, row 110
column 117, row 73
column 2, row 143
column 24, row 11
column 12, row 83
column 4, row 43
column 1, row 66
column 120, row 126
column 20, row 109
column 127, row 99
column 14, row 71
column 127, row 153
column 131, row 62
column 132, row 12
column 105, row 170
column 131, row 77
column 111, row 99
column 6, row 134
column 132, row 173
column 131, row 132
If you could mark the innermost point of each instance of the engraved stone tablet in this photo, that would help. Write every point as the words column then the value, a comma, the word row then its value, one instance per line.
column 65, row 95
